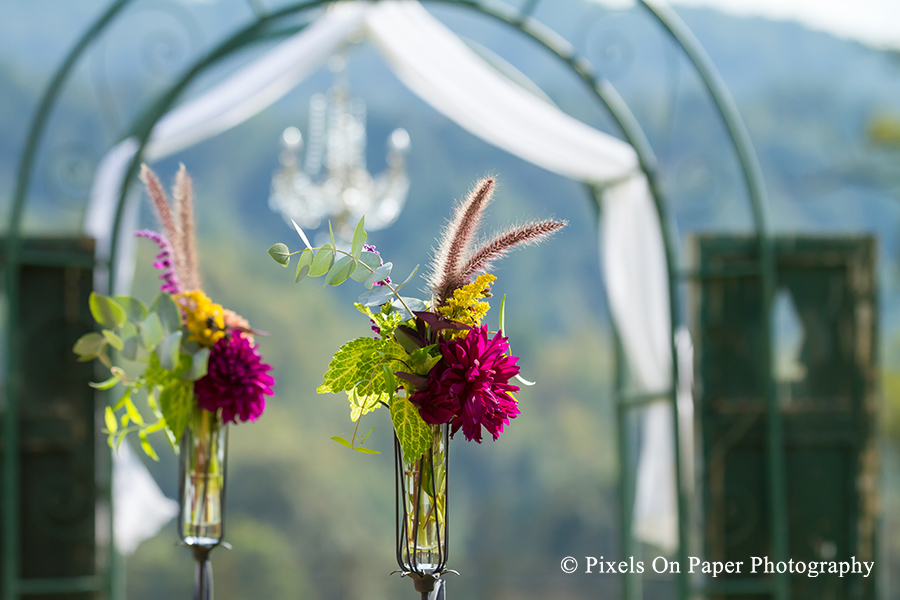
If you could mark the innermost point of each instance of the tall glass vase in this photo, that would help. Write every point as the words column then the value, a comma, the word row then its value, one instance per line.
column 422, row 511
column 201, row 519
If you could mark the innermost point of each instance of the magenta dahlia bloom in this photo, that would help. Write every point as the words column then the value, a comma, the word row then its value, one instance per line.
column 164, row 261
column 469, row 388
column 236, row 380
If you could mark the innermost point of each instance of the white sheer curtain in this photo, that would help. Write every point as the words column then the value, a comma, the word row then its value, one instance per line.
column 437, row 66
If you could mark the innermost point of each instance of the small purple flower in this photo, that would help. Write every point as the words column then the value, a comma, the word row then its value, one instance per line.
column 163, row 262
column 236, row 380
column 371, row 248
column 470, row 387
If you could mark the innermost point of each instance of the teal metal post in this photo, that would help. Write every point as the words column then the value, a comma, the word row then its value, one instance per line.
column 753, row 179
column 11, row 484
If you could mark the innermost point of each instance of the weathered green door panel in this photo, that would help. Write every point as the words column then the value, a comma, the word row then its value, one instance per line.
column 827, row 399
column 57, row 415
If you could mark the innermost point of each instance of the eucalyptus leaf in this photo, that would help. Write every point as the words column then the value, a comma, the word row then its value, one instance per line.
column 89, row 345
column 408, row 278
column 107, row 311
column 134, row 308
column 281, row 253
column 341, row 270
column 301, row 234
column 130, row 349
column 331, row 235
column 168, row 311
column 168, row 351
column 380, row 274
column 322, row 261
column 376, row 296
column 371, row 260
column 112, row 339
column 414, row 305
column 306, row 258
column 359, row 238
column 199, row 363
column 151, row 331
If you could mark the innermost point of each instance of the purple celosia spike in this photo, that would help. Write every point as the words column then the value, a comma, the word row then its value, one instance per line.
column 163, row 262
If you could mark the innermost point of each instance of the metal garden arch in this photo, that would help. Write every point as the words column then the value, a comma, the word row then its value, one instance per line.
column 271, row 25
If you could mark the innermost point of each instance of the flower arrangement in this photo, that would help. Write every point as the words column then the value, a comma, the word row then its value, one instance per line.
column 191, row 353
column 433, row 361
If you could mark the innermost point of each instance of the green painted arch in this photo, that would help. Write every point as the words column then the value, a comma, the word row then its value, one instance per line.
column 265, row 27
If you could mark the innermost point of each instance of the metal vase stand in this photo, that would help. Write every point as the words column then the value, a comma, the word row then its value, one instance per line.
column 426, row 576
column 202, row 537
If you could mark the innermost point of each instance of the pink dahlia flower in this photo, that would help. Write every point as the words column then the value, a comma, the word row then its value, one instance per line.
column 469, row 387
column 236, row 380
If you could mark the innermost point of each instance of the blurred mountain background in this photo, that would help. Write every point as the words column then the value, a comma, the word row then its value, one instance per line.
column 310, row 519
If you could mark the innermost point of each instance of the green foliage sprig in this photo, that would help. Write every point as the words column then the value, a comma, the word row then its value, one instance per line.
column 152, row 336
column 365, row 368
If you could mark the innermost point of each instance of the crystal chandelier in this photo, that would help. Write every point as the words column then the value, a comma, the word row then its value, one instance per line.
column 333, row 183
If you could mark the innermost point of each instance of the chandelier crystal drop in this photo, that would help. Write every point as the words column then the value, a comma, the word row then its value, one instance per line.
column 333, row 183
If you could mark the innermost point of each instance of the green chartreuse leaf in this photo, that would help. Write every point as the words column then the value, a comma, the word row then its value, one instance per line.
column 413, row 433
column 358, row 363
column 133, row 414
column 303, row 265
column 168, row 311
column 342, row 441
column 105, row 385
column 322, row 261
column 176, row 402
column 110, row 418
column 281, row 254
column 107, row 311
column 352, row 363
column 361, row 405
column 359, row 238
column 366, row 450
column 89, row 346
column 148, row 449
column 424, row 359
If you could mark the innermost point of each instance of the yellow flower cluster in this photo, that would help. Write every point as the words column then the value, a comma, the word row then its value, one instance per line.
column 205, row 320
column 466, row 305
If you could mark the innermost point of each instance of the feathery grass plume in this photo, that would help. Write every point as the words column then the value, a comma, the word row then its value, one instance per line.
column 182, row 192
column 501, row 244
column 170, row 225
column 445, row 273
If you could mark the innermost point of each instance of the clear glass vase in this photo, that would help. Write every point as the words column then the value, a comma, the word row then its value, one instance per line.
column 422, row 506
column 204, row 446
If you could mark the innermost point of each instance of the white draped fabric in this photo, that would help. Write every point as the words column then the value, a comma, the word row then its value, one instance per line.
column 442, row 70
